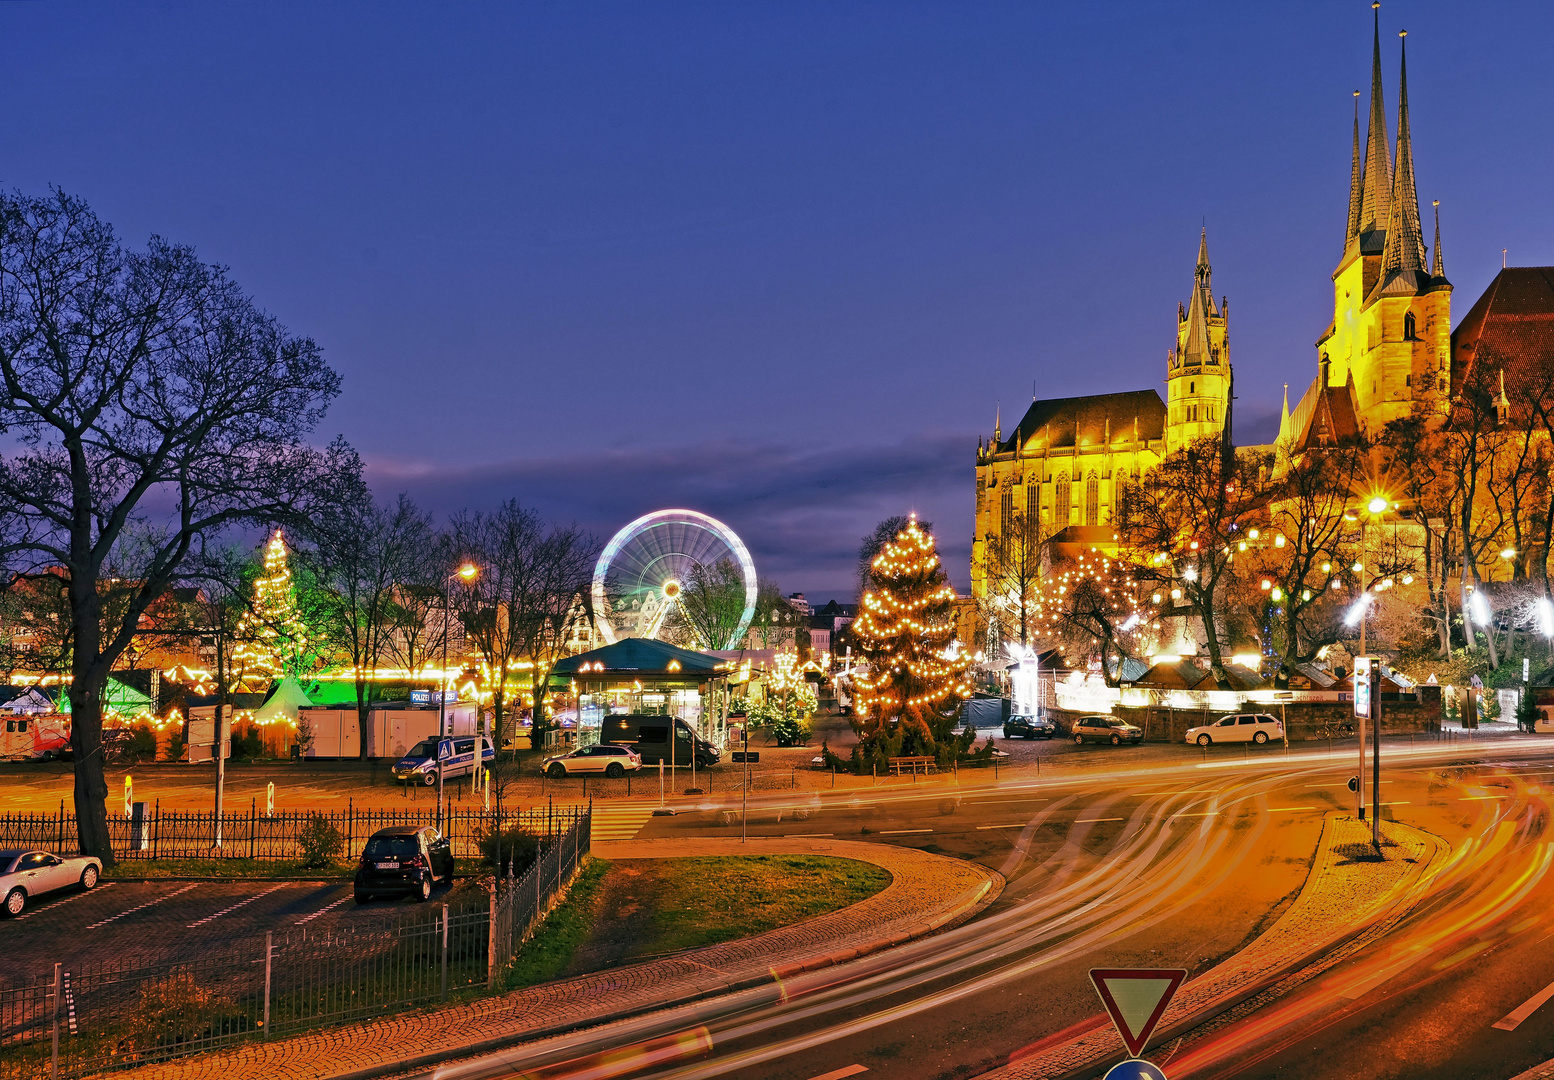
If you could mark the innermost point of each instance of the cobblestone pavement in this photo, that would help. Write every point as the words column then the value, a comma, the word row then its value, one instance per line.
column 926, row 893
column 1345, row 891
column 1537, row 1072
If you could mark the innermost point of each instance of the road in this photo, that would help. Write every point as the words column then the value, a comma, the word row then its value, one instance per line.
column 1152, row 867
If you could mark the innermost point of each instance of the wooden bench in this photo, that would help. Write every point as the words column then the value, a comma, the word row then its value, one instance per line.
column 912, row 763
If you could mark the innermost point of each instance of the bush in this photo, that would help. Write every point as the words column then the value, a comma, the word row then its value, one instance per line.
column 320, row 842
column 173, row 1012
column 247, row 742
column 142, row 745
column 519, row 850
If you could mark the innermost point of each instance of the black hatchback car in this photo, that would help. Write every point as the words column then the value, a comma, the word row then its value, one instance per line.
column 1029, row 727
column 403, row 859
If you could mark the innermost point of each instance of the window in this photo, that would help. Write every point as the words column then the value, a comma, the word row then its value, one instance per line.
column 1006, row 512
column 1192, row 388
column 1247, row 720
column 1092, row 501
column 1229, row 721
column 1408, row 327
column 464, row 746
column 33, row 860
column 1061, row 511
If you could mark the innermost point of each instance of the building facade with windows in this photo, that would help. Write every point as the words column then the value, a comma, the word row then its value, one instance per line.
column 1058, row 473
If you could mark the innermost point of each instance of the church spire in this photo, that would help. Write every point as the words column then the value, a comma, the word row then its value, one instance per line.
column 998, row 425
column 1196, row 347
column 1354, row 177
column 1405, row 236
column 1374, row 199
column 1437, row 267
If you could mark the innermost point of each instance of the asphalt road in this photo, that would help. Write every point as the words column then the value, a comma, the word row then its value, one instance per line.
column 1150, row 867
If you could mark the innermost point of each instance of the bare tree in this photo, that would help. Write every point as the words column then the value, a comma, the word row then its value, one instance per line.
column 362, row 554
column 1182, row 525
column 553, row 602
column 144, row 390
column 711, row 604
column 1012, row 567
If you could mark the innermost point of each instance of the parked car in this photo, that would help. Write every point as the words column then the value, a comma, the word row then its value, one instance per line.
column 29, row 872
column 420, row 764
column 1239, row 727
column 604, row 758
column 649, row 736
column 403, row 859
column 1029, row 727
column 1106, row 729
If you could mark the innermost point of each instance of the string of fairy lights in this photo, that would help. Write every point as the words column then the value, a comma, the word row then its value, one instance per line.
column 906, row 630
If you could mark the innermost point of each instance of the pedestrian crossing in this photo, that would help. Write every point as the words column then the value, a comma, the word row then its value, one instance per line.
column 618, row 822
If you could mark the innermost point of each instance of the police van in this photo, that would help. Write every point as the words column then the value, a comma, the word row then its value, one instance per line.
column 455, row 752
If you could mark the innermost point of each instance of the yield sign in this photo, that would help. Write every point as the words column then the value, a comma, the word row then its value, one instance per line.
column 1136, row 998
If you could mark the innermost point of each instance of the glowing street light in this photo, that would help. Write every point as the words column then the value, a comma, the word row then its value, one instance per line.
column 1356, row 611
column 1546, row 616
column 1377, row 505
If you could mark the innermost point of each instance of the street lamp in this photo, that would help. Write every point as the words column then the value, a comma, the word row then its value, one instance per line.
column 466, row 573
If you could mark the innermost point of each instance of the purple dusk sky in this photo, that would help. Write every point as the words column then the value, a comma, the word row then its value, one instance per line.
column 775, row 262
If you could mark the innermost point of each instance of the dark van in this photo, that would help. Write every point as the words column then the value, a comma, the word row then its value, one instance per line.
column 649, row 736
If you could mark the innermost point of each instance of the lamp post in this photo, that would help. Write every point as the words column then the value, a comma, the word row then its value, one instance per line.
column 466, row 573
column 1377, row 506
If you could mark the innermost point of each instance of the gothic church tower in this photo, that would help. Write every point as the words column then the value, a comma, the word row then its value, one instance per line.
column 1198, row 369
column 1390, row 338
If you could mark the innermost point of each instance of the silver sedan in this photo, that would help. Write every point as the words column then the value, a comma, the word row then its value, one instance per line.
column 29, row 872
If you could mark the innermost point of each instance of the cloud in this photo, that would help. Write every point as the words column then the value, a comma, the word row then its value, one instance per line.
column 800, row 510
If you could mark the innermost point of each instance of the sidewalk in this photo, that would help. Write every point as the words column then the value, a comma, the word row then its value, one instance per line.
column 927, row 892
column 1343, row 894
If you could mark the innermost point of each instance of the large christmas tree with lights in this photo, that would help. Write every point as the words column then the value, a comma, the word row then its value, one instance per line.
column 272, row 638
column 905, row 630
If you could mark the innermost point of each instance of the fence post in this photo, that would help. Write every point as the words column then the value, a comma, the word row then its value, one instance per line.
column 269, row 951
column 445, row 952
column 491, row 936
column 253, row 825
column 54, row 1061
column 156, row 831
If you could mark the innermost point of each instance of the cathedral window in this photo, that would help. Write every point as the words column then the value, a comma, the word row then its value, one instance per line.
column 1191, row 388
column 1092, row 501
column 1408, row 327
column 1061, row 501
column 1006, row 512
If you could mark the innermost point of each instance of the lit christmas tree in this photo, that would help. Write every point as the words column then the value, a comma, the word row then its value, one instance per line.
column 272, row 638
column 905, row 630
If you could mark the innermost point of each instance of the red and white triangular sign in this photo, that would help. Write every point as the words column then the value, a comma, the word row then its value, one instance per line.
column 1136, row 998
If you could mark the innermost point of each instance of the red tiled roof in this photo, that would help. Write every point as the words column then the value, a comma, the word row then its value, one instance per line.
column 1510, row 327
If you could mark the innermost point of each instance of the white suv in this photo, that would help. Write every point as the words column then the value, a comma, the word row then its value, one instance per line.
column 601, row 758
column 1242, row 727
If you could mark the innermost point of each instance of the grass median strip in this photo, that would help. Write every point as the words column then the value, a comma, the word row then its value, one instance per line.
column 634, row 909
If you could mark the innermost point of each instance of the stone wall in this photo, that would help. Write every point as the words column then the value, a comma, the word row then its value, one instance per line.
column 1400, row 715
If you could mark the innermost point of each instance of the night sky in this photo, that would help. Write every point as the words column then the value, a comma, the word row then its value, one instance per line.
column 780, row 262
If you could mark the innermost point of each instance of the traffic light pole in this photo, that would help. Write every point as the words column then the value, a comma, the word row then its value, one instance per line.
column 1376, row 756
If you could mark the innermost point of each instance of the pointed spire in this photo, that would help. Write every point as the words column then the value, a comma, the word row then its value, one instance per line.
column 1405, row 236
column 998, row 430
column 1355, row 173
column 1195, row 348
column 1375, row 196
column 1284, row 413
column 1437, row 267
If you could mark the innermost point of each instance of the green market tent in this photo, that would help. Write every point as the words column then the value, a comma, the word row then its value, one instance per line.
column 283, row 703
column 118, row 697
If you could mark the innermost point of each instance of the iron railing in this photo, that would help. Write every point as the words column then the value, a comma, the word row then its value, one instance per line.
column 78, row 1019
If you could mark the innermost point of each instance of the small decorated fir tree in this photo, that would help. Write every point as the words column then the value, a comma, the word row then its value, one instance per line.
column 272, row 638
column 905, row 630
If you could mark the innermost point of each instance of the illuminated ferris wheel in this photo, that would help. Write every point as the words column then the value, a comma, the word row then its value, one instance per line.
column 645, row 567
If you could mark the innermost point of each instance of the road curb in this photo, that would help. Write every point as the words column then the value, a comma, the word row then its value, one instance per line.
column 967, row 905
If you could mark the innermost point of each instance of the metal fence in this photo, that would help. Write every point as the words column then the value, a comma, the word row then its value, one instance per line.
column 249, row 834
column 81, row 1019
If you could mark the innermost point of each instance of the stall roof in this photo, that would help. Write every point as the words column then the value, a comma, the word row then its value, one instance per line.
column 642, row 656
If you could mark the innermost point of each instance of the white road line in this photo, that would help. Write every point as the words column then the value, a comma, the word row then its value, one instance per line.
column 806, row 835
column 838, row 1074
column 141, row 907
column 29, row 913
column 1345, row 784
column 1525, row 1009
column 1015, row 825
column 1401, row 802
column 1287, row 809
column 321, row 911
column 1206, row 813
column 234, row 907
column 1481, row 798
column 1091, row 820
column 901, row 832
column 1190, row 791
